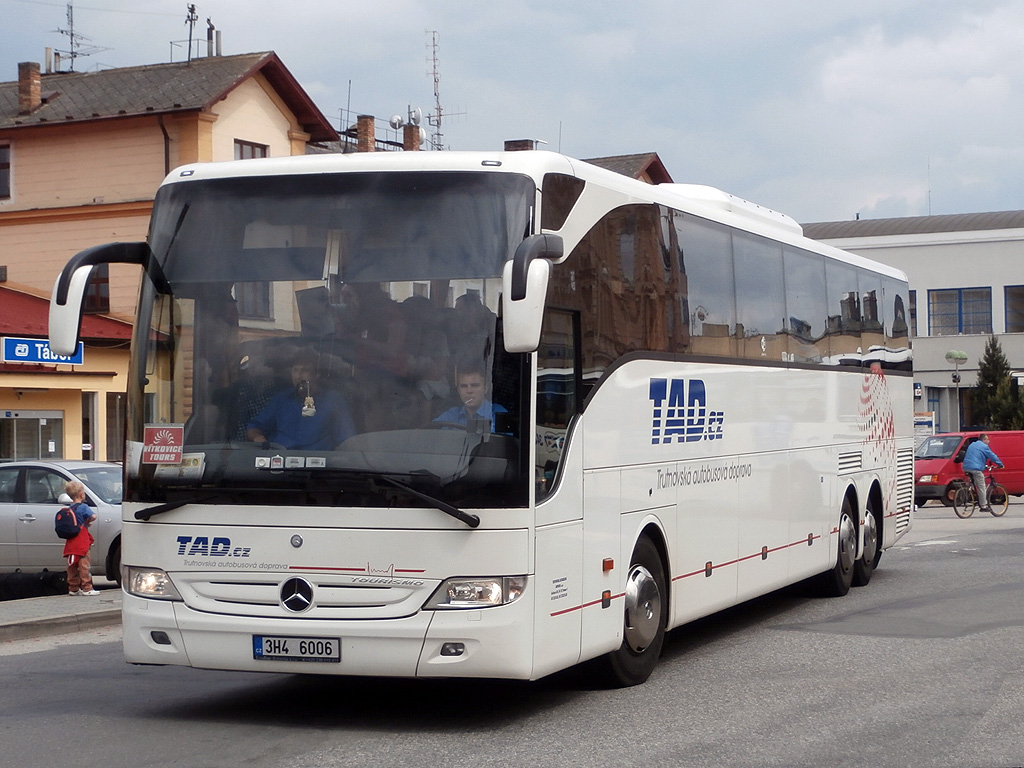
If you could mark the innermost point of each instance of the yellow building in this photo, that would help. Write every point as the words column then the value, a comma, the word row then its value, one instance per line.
column 81, row 156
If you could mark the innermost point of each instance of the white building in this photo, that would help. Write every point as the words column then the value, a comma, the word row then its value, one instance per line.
column 966, row 274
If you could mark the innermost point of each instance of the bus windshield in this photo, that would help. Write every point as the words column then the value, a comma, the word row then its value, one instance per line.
column 330, row 340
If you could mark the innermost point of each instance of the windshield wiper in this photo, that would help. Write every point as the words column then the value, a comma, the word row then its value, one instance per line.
column 469, row 519
column 159, row 509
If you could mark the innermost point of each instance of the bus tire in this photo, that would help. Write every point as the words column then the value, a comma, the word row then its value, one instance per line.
column 644, row 617
column 872, row 553
column 837, row 580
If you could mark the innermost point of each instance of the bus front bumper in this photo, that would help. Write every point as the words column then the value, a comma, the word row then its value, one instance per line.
column 490, row 642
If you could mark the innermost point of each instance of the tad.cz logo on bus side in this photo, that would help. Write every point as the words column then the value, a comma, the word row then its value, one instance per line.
column 681, row 412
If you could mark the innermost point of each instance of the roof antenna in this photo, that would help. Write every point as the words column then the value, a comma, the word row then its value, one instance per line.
column 191, row 20
column 75, row 41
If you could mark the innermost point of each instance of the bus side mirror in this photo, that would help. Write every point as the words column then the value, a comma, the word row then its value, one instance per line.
column 524, row 289
column 69, row 289
column 66, row 317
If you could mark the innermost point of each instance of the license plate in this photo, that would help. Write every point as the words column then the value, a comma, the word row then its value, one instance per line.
column 279, row 648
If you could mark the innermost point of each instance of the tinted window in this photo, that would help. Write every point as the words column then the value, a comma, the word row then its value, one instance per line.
column 844, row 320
column 760, row 298
column 707, row 266
column 806, row 312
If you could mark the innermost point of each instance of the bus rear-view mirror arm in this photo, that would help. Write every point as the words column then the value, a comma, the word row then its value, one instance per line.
column 524, row 288
column 69, row 289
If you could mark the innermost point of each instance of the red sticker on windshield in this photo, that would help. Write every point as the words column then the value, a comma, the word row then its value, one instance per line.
column 163, row 444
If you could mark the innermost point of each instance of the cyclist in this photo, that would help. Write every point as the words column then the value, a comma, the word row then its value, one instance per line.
column 975, row 460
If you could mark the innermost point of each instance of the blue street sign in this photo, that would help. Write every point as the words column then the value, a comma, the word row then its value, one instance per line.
column 37, row 351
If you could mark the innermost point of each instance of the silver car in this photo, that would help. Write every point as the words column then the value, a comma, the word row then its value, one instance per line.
column 30, row 498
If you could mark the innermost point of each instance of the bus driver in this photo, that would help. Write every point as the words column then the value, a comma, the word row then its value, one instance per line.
column 305, row 417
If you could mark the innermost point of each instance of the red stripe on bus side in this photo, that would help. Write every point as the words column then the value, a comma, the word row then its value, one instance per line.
column 701, row 572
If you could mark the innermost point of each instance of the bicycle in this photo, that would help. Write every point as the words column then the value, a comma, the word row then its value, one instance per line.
column 965, row 499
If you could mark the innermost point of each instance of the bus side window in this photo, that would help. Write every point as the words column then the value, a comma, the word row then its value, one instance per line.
column 558, row 392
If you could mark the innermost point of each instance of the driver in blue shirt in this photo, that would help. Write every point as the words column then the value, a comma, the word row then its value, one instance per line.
column 472, row 387
column 976, row 458
column 305, row 417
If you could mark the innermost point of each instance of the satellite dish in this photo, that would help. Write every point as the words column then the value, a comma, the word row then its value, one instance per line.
column 415, row 116
column 396, row 122
column 423, row 135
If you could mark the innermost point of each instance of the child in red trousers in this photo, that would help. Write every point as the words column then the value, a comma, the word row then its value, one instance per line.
column 76, row 550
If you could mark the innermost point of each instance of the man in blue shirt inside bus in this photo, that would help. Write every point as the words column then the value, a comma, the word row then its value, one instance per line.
column 472, row 387
column 306, row 417
column 976, row 458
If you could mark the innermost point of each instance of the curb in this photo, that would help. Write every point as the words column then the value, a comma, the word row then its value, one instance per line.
column 29, row 628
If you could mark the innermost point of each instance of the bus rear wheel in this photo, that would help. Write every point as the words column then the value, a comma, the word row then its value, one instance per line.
column 837, row 580
column 644, row 617
column 871, row 553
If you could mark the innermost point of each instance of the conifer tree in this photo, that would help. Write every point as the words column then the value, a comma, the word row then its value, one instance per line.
column 995, row 400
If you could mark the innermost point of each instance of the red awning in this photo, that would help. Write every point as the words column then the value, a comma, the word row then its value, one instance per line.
column 22, row 314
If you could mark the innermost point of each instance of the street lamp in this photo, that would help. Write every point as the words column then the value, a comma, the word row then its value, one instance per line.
column 956, row 358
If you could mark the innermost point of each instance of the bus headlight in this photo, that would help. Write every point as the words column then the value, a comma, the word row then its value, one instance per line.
column 477, row 593
column 152, row 583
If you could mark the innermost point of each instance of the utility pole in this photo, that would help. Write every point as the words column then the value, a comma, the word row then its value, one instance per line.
column 191, row 20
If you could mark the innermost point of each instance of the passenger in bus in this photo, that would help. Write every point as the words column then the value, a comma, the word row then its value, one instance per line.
column 308, row 416
column 471, row 383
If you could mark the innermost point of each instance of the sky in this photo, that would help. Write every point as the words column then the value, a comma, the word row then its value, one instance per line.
column 820, row 110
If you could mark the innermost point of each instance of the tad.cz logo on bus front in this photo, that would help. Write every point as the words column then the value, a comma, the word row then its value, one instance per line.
column 681, row 412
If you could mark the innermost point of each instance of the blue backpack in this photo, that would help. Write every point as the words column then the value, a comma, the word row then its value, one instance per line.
column 65, row 524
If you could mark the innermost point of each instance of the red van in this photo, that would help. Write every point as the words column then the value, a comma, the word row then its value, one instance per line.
column 938, row 459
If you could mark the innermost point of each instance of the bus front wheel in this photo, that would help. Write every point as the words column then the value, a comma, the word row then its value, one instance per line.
column 645, row 613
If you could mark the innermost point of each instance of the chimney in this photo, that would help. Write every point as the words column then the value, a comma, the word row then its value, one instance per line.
column 29, row 87
column 366, row 139
column 410, row 137
column 518, row 145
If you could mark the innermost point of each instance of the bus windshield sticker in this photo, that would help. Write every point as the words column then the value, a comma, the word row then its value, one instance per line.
column 163, row 443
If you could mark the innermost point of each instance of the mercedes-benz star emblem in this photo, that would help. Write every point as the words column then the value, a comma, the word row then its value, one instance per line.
column 297, row 595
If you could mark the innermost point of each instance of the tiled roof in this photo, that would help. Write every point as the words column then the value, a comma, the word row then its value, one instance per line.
column 159, row 89
column 915, row 225
column 635, row 166
column 23, row 314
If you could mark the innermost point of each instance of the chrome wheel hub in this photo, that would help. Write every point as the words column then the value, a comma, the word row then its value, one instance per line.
column 870, row 538
column 643, row 609
column 847, row 542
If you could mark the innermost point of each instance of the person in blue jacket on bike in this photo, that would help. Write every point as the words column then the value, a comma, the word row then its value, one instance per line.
column 975, row 460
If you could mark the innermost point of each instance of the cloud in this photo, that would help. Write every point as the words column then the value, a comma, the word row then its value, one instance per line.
column 817, row 109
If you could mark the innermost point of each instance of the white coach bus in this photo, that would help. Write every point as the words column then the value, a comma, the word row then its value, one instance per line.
column 451, row 414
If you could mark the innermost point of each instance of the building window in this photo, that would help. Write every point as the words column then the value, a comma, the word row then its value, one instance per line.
column 913, row 314
column 1015, row 309
column 254, row 300
column 97, row 292
column 246, row 150
column 959, row 310
column 5, row 171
